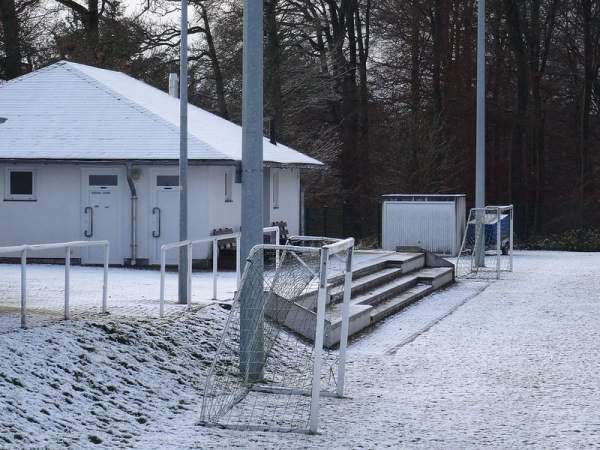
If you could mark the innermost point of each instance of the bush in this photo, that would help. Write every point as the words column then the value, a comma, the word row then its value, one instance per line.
column 578, row 240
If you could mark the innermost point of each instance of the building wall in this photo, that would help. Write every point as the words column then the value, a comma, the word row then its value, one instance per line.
column 287, row 209
column 66, row 208
column 52, row 216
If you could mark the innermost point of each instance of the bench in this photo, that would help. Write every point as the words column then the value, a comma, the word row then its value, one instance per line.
column 227, row 257
column 283, row 232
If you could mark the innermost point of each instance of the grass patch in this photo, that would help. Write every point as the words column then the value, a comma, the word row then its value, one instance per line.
column 577, row 240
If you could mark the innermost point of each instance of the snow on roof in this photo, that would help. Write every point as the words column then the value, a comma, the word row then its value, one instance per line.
column 72, row 111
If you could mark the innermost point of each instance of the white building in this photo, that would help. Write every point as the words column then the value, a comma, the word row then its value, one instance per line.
column 92, row 154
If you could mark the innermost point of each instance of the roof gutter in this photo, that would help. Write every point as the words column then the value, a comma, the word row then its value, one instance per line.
column 118, row 162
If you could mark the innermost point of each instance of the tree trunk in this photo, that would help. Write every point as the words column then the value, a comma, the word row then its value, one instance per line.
column 436, row 31
column 12, row 43
column 273, row 68
column 588, row 80
column 516, row 188
column 214, row 60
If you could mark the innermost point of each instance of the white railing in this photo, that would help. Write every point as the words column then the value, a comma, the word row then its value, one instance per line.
column 190, row 244
column 23, row 249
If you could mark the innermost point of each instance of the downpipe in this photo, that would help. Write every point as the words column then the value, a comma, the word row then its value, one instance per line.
column 129, row 170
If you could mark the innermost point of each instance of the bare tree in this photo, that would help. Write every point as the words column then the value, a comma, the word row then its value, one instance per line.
column 11, row 65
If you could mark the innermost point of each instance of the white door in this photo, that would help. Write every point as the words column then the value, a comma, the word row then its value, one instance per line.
column 164, row 210
column 102, row 217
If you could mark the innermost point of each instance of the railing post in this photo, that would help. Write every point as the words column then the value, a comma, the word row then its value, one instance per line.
column 23, row 288
column 238, row 262
column 162, row 282
column 214, row 264
column 105, row 278
column 345, row 322
column 67, row 280
column 277, row 237
column 189, row 273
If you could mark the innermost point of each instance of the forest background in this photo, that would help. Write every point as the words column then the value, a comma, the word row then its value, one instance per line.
column 383, row 91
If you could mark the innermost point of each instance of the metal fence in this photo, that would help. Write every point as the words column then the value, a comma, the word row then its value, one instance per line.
column 360, row 221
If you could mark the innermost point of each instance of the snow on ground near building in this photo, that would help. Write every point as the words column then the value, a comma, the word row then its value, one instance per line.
column 504, row 364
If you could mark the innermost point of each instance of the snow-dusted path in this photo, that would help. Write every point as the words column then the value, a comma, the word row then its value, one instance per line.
column 508, row 364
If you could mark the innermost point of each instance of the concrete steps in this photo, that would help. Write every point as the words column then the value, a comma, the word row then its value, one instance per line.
column 381, row 286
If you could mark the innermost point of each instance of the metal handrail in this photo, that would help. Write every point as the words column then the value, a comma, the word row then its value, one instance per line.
column 189, row 244
column 23, row 249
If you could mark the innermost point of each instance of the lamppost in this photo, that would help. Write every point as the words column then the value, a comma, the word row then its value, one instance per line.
column 251, row 327
column 184, row 282
column 480, row 135
column 480, row 139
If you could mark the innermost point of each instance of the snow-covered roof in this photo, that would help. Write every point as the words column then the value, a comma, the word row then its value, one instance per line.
column 69, row 111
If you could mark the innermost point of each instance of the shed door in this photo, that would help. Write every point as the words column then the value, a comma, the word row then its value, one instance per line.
column 103, row 218
column 164, row 211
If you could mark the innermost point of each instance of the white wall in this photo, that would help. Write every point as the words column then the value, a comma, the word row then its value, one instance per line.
column 288, row 209
column 57, row 214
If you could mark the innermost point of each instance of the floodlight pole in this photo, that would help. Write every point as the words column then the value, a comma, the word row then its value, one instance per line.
column 480, row 135
column 251, row 339
column 184, row 285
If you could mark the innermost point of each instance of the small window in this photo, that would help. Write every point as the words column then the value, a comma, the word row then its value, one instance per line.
column 228, row 185
column 167, row 180
column 104, row 180
column 20, row 184
column 275, row 189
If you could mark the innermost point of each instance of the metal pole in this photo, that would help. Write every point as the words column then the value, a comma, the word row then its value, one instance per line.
column 183, row 160
column 67, row 280
column 215, row 250
column 480, row 135
column 24, row 288
column 252, row 183
column 162, row 282
column 319, row 340
column 345, row 323
column 105, row 278
column 479, row 251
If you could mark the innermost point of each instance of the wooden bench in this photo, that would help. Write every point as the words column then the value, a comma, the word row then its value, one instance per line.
column 227, row 257
column 283, row 232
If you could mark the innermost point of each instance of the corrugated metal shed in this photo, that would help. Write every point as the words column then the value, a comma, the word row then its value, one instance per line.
column 70, row 111
column 433, row 222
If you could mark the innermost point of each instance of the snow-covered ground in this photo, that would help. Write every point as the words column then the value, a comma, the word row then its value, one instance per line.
column 504, row 364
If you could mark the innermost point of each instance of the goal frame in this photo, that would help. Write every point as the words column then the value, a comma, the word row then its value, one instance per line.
column 323, row 249
column 481, row 244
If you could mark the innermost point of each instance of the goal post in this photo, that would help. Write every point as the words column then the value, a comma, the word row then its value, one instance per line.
column 291, row 285
column 487, row 247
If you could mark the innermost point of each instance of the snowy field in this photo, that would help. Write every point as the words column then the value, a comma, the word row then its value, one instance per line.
column 507, row 364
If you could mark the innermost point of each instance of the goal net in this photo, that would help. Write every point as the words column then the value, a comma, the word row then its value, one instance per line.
column 487, row 247
column 264, row 375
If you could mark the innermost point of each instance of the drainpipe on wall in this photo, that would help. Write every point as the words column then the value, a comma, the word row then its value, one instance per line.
column 129, row 170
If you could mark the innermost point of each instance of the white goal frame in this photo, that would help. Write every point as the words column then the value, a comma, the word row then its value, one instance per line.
column 211, row 414
column 487, row 247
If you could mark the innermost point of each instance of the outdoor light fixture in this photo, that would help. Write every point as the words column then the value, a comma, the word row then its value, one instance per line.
column 3, row 119
column 136, row 174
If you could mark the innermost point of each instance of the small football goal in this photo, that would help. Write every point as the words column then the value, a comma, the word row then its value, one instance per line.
column 487, row 248
column 264, row 376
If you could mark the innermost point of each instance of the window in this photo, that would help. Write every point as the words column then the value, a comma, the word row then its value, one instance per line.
column 228, row 185
column 275, row 189
column 167, row 180
column 104, row 180
column 20, row 184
